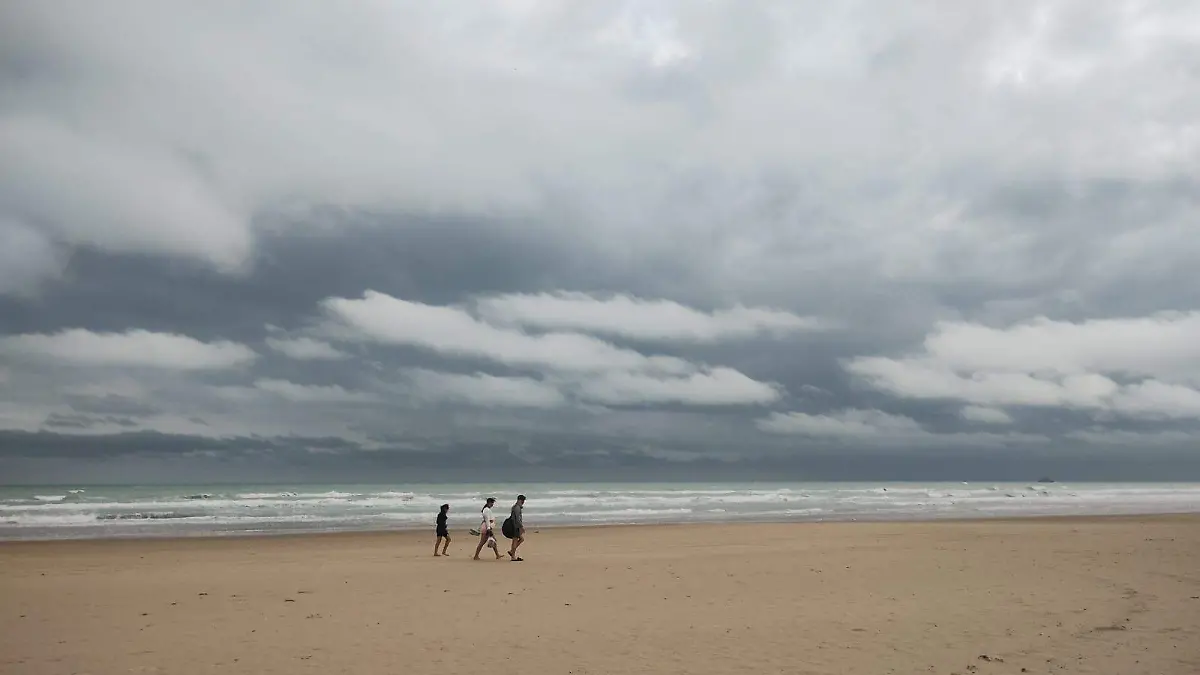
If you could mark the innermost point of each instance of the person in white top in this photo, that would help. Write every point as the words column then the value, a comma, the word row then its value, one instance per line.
column 487, row 529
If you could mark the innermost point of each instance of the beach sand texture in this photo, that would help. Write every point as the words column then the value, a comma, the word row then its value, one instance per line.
column 1114, row 596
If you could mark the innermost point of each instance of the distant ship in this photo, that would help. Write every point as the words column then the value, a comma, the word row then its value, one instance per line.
column 1045, row 480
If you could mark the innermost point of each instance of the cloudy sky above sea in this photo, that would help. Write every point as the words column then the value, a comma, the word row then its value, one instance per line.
column 402, row 240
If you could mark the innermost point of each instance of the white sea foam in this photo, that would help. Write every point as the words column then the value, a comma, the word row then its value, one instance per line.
column 201, row 509
column 47, row 519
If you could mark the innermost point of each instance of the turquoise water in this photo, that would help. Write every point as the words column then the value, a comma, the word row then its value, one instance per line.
column 71, row 511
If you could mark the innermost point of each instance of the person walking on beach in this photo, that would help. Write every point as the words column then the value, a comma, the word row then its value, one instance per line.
column 516, row 528
column 487, row 529
column 443, row 532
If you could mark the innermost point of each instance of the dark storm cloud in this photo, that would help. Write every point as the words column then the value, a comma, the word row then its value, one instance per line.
column 142, row 443
column 220, row 270
column 45, row 444
column 50, row 457
column 424, row 259
column 60, row 421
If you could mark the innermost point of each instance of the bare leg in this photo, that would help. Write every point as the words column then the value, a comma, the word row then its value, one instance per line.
column 436, row 544
column 512, row 553
column 482, row 542
column 495, row 546
column 446, row 545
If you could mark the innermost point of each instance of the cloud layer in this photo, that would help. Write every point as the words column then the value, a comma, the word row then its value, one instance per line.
column 131, row 349
column 639, row 319
column 591, row 369
column 449, row 330
column 1143, row 367
column 600, row 237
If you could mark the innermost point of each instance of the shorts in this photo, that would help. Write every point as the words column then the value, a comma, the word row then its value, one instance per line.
column 443, row 532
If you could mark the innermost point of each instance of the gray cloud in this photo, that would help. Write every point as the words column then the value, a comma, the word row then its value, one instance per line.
column 599, row 239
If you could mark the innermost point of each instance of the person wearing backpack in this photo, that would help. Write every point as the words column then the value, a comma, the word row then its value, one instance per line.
column 514, row 528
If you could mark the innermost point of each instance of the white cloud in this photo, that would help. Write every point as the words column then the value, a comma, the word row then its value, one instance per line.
column 1158, row 400
column 642, row 319
column 482, row 389
column 309, row 393
column 598, row 371
column 133, row 348
column 1123, row 438
column 878, row 428
column 922, row 378
column 846, row 424
column 294, row 392
column 1163, row 345
column 1045, row 363
column 305, row 349
column 452, row 331
column 985, row 415
column 719, row 386
column 110, row 180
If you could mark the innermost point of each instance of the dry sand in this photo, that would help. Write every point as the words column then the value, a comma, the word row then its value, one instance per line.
column 1119, row 596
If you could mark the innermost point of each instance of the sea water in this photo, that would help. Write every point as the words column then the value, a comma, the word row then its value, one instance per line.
column 116, row 511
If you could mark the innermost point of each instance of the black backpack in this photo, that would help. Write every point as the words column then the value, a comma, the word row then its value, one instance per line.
column 508, row 529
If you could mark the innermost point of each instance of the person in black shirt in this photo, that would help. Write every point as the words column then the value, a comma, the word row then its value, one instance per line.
column 443, row 532
column 518, row 528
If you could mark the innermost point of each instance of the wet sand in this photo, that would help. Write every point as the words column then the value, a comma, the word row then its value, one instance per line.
column 1119, row 596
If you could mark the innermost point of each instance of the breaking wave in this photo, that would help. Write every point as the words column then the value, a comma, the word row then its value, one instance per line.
column 103, row 511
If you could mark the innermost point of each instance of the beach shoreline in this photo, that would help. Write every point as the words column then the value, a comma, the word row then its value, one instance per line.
column 246, row 510
column 462, row 531
column 1092, row 594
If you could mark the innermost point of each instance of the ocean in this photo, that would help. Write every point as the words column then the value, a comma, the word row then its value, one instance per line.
column 57, row 512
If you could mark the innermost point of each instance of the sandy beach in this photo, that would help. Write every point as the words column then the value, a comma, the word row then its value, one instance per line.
column 1119, row 595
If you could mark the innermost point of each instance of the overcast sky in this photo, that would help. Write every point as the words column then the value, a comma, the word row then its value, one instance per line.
column 594, row 240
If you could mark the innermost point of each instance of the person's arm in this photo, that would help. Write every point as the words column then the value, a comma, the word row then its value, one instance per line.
column 517, row 521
